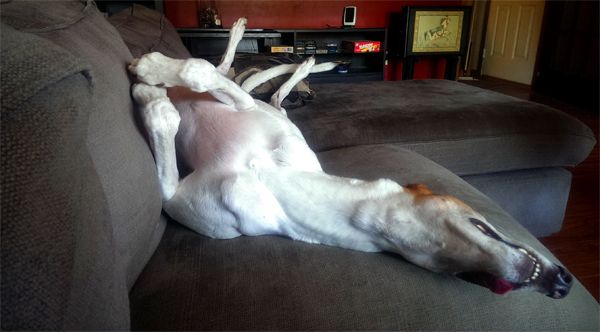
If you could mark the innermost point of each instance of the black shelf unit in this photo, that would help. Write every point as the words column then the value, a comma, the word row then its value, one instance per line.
column 363, row 66
column 207, row 43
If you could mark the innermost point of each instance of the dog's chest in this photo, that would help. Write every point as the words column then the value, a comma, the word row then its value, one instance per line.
column 212, row 135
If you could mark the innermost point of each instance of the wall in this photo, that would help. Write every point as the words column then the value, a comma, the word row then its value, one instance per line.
column 478, row 31
column 314, row 14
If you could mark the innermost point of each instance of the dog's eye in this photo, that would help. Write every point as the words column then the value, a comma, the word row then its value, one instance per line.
column 485, row 229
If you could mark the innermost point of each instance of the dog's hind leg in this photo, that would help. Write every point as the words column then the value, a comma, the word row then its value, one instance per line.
column 261, row 77
column 235, row 35
column 196, row 74
column 162, row 122
column 284, row 90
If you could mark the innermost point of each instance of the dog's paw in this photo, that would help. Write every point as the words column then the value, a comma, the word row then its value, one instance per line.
column 325, row 66
column 144, row 94
column 201, row 76
column 161, row 118
column 306, row 66
column 157, row 69
column 240, row 24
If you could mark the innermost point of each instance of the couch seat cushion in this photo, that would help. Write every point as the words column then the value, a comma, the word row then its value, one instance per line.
column 464, row 128
column 273, row 283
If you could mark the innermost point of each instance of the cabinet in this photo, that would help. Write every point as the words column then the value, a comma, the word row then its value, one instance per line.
column 211, row 43
column 363, row 66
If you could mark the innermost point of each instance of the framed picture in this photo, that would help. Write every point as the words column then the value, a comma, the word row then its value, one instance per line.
column 436, row 30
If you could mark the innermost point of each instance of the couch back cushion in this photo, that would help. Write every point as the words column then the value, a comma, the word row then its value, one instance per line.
column 118, row 157
column 145, row 30
column 59, row 266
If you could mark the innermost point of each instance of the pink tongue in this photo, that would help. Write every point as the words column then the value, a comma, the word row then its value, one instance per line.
column 501, row 286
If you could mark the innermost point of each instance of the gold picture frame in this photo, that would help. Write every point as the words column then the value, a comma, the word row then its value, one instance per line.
column 435, row 30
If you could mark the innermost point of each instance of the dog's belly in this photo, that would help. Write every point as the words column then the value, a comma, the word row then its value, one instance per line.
column 213, row 135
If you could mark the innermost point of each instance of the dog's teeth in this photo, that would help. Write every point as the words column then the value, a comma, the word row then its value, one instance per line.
column 523, row 251
column 527, row 280
column 537, row 269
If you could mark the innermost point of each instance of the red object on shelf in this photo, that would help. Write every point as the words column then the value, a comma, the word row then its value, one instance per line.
column 183, row 14
column 362, row 46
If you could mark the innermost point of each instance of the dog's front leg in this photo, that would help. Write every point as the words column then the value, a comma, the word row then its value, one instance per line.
column 331, row 210
column 235, row 35
column 162, row 122
column 196, row 74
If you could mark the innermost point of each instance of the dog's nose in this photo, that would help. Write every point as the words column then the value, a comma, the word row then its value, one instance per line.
column 565, row 277
column 561, row 283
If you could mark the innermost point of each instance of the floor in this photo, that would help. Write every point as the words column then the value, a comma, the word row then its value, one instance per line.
column 577, row 244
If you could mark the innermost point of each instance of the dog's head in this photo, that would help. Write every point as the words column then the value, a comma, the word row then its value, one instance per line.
column 443, row 234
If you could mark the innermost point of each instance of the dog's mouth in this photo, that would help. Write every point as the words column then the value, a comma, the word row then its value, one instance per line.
column 488, row 280
column 500, row 285
column 529, row 266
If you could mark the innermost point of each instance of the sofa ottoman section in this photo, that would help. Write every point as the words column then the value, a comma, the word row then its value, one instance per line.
column 537, row 198
column 466, row 129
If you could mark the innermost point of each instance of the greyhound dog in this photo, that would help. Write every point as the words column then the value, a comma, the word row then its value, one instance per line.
column 254, row 174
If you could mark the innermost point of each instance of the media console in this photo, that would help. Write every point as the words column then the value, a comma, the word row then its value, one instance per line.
column 211, row 43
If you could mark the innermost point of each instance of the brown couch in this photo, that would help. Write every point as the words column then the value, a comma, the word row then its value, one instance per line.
column 84, row 244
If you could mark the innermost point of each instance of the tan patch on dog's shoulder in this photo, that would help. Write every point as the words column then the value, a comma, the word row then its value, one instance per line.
column 420, row 192
column 418, row 189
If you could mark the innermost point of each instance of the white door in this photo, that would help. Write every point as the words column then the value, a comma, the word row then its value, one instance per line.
column 513, row 33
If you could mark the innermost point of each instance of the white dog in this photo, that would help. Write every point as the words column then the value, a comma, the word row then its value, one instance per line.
column 254, row 174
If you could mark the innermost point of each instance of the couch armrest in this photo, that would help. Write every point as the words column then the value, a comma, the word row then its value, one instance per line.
column 59, row 268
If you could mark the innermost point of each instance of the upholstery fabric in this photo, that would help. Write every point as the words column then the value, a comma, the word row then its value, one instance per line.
column 120, row 158
column 59, row 266
column 120, row 154
column 536, row 198
column 466, row 129
column 145, row 30
column 273, row 283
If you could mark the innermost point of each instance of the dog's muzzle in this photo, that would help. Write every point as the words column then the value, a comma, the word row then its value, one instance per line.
column 554, row 281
